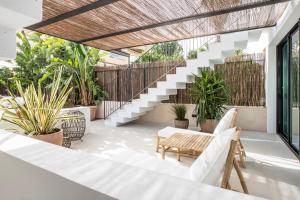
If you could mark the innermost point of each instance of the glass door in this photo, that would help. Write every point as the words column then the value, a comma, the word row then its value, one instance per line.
column 288, row 89
column 294, row 80
column 285, row 89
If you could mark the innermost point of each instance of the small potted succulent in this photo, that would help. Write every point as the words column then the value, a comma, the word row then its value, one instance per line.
column 39, row 114
column 180, row 121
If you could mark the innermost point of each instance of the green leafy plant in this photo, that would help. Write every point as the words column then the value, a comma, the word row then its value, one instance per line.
column 6, row 79
column 180, row 111
column 35, row 52
column 39, row 114
column 37, row 61
column 81, row 64
column 192, row 54
column 209, row 92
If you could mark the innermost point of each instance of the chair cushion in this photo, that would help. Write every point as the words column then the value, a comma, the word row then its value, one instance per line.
column 226, row 121
column 209, row 166
column 169, row 131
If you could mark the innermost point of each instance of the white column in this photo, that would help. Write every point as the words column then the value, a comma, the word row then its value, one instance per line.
column 16, row 14
column 7, row 43
column 284, row 25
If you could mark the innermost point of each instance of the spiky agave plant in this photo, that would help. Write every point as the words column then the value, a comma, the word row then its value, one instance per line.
column 39, row 113
column 179, row 111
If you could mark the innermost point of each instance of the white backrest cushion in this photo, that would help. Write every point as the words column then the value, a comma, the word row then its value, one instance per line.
column 225, row 122
column 209, row 166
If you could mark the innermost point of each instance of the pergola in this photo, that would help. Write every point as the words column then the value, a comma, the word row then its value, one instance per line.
column 117, row 24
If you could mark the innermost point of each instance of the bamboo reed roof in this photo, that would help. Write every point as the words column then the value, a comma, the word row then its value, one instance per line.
column 117, row 24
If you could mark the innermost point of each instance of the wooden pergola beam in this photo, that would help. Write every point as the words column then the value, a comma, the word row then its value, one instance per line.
column 72, row 13
column 188, row 18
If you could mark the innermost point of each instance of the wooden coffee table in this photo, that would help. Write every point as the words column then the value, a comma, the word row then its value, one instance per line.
column 185, row 144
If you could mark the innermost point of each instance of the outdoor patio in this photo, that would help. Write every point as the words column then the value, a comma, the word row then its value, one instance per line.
column 272, row 170
column 149, row 99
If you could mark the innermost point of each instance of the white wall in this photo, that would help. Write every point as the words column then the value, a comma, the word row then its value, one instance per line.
column 249, row 118
column 16, row 14
column 284, row 25
column 17, row 182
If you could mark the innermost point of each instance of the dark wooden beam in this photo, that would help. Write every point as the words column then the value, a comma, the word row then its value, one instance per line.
column 78, row 11
column 121, row 53
column 205, row 35
column 188, row 18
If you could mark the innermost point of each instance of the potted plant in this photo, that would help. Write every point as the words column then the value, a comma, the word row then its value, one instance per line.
column 39, row 114
column 180, row 121
column 209, row 92
column 81, row 63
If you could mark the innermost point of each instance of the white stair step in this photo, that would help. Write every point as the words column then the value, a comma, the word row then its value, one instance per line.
column 129, row 113
column 162, row 91
column 122, row 119
column 179, row 78
column 153, row 98
column 172, row 85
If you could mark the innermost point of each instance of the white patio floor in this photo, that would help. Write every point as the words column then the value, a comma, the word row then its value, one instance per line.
column 272, row 171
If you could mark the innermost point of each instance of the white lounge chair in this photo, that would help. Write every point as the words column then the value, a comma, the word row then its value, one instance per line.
column 228, row 121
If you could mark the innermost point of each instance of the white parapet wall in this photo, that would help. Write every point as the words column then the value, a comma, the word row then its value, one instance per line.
column 249, row 117
column 33, row 170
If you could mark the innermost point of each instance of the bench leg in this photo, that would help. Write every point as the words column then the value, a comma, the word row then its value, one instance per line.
column 163, row 152
column 241, row 156
column 241, row 177
column 242, row 148
column 178, row 154
column 157, row 144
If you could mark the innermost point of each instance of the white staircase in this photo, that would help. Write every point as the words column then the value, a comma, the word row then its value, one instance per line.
column 216, row 54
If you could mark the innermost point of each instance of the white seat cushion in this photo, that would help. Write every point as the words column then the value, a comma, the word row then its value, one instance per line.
column 209, row 166
column 226, row 121
column 169, row 131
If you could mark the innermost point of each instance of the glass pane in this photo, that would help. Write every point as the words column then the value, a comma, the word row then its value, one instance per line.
column 285, row 87
column 295, row 89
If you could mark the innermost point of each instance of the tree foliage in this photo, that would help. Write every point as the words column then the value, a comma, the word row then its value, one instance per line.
column 166, row 51
column 39, row 56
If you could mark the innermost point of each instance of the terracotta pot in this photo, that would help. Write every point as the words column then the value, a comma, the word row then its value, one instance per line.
column 181, row 123
column 93, row 112
column 209, row 125
column 53, row 138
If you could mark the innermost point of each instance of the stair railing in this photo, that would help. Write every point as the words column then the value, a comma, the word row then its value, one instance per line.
column 109, row 109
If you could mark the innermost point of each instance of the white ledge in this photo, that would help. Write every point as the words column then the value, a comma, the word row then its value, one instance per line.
column 105, row 176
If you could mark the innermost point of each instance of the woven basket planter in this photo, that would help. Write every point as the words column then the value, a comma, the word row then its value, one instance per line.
column 66, row 141
column 73, row 128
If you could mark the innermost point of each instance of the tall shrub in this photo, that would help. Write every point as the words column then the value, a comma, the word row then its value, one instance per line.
column 209, row 92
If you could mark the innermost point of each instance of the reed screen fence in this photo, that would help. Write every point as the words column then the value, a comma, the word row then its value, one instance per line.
column 245, row 78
